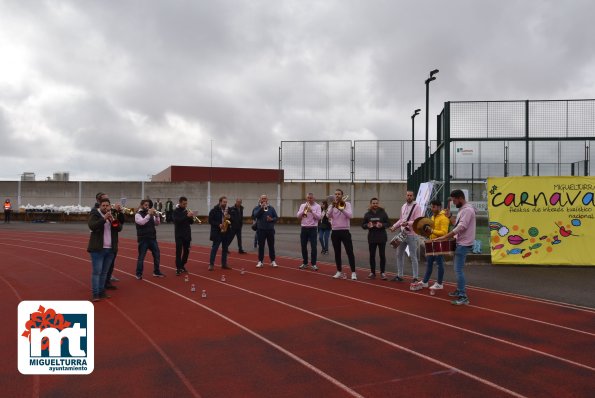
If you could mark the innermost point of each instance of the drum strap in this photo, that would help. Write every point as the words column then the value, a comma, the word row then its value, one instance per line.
column 411, row 212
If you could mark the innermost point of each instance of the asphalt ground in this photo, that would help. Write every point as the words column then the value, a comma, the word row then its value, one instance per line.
column 566, row 284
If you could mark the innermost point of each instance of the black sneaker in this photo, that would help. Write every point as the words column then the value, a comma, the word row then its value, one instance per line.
column 372, row 275
column 95, row 298
column 158, row 274
column 104, row 295
column 109, row 286
column 139, row 276
column 454, row 294
column 242, row 252
column 184, row 270
column 397, row 279
column 211, row 267
column 179, row 271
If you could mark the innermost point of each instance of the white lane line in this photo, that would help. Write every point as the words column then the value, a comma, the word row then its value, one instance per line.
column 496, row 292
column 159, row 350
column 296, row 358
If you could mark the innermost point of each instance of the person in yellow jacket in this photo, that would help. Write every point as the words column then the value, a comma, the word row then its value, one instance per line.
column 441, row 223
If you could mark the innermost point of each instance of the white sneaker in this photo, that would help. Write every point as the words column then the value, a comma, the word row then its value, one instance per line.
column 338, row 275
column 353, row 276
column 274, row 264
column 422, row 284
column 303, row 266
column 436, row 285
column 259, row 264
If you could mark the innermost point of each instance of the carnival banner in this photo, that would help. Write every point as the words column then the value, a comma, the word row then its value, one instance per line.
column 542, row 220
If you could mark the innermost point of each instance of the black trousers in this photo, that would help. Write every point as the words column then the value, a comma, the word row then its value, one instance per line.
column 237, row 232
column 381, row 252
column 338, row 237
column 182, row 252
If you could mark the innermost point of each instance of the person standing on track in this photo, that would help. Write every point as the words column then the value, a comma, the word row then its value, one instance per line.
column 409, row 212
column 324, row 228
column 7, row 211
column 103, row 243
column 340, row 214
column 464, row 231
column 146, row 220
column 237, row 221
column 265, row 217
column 183, row 219
column 309, row 214
column 219, row 219
column 441, row 223
column 376, row 221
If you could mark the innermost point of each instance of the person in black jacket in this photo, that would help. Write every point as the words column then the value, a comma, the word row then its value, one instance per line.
column 117, row 212
column 219, row 219
column 102, row 246
column 265, row 217
column 169, row 210
column 376, row 221
column 183, row 218
column 237, row 221
column 146, row 219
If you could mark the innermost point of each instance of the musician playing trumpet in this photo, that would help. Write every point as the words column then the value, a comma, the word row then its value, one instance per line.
column 340, row 214
column 309, row 214
column 183, row 219
column 220, row 232
column 409, row 212
column 266, row 217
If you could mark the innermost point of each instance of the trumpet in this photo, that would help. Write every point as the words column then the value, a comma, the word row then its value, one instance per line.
column 195, row 218
column 114, row 218
column 341, row 204
column 265, row 206
column 128, row 211
column 226, row 221
column 306, row 210
column 160, row 214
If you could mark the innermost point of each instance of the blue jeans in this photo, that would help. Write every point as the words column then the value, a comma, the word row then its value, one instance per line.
column 459, row 261
column 413, row 243
column 100, row 261
column 430, row 268
column 323, row 235
column 308, row 235
column 143, row 246
column 223, row 240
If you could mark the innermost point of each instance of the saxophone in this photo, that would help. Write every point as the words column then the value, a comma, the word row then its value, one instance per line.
column 226, row 221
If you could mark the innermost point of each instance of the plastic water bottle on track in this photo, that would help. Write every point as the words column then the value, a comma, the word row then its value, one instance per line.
column 204, row 293
column 193, row 288
column 186, row 278
column 222, row 278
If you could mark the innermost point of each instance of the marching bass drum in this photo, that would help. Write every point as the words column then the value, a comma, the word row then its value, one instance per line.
column 398, row 238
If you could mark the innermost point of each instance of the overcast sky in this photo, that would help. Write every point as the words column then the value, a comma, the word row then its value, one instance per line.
column 121, row 89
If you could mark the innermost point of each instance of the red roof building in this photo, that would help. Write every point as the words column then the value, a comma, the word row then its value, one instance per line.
column 217, row 174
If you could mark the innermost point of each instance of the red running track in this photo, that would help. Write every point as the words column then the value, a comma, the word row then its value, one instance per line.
column 287, row 332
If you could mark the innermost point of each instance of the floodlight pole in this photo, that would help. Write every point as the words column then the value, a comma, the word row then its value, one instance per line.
column 428, row 80
column 415, row 113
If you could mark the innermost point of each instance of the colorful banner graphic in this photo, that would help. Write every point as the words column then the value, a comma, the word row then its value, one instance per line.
column 542, row 220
